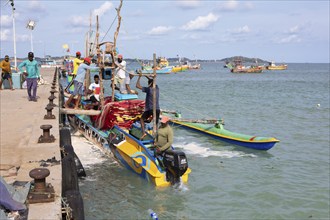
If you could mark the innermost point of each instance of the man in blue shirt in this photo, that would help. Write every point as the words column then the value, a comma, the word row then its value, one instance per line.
column 32, row 75
column 148, row 110
column 78, row 82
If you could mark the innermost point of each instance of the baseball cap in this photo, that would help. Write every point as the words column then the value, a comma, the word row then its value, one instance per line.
column 30, row 54
column 88, row 60
column 78, row 53
column 164, row 119
column 120, row 56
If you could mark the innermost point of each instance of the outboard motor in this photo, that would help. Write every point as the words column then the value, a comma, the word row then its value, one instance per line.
column 176, row 165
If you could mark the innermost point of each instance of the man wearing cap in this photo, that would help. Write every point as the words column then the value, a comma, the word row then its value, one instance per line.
column 164, row 137
column 6, row 72
column 79, row 81
column 120, row 73
column 76, row 62
column 32, row 74
column 148, row 109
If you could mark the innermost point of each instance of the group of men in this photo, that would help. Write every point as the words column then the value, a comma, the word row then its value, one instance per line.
column 30, row 70
column 121, row 79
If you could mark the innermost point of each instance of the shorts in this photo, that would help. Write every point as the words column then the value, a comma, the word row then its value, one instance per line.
column 6, row 76
column 78, row 88
column 146, row 115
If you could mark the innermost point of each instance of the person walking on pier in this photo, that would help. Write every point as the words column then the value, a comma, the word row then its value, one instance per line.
column 6, row 72
column 32, row 74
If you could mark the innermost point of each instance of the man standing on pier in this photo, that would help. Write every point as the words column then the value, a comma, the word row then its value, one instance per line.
column 6, row 72
column 32, row 74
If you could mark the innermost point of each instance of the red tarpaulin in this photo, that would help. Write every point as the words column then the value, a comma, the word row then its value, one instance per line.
column 121, row 113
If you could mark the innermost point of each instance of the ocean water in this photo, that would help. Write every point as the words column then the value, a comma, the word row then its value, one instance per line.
column 290, row 181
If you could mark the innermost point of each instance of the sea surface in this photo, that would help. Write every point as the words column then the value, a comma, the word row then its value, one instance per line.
column 290, row 181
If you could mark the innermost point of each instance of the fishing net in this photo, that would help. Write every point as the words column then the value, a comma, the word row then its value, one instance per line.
column 120, row 113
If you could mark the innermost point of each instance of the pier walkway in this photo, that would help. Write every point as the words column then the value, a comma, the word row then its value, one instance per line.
column 19, row 148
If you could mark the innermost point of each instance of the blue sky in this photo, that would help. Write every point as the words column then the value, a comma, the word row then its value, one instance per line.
column 283, row 31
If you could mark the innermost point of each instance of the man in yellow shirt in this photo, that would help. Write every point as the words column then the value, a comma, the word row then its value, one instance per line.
column 6, row 72
column 76, row 62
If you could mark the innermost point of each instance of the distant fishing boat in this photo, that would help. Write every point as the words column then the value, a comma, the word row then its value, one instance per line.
column 239, row 68
column 162, row 67
column 273, row 66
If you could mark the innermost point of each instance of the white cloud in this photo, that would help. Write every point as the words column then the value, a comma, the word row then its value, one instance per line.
column 160, row 30
column 6, row 21
column 106, row 6
column 78, row 21
column 36, row 6
column 188, row 4
column 4, row 34
column 230, row 5
column 241, row 30
column 290, row 39
column 294, row 30
column 201, row 22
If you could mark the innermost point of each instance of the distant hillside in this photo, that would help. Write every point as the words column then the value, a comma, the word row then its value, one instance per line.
column 174, row 60
column 244, row 59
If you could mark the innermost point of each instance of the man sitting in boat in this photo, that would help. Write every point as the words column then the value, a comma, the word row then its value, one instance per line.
column 94, row 90
column 164, row 137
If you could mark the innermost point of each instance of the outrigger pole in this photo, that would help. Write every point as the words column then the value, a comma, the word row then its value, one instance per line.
column 154, row 98
column 114, row 50
column 98, row 52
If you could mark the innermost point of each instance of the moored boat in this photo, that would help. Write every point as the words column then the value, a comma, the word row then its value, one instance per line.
column 115, row 132
column 215, row 129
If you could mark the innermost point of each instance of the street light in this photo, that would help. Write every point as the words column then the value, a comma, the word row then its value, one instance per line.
column 14, row 30
column 30, row 25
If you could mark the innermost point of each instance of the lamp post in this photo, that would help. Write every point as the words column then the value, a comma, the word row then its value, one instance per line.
column 14, row 31
column 30, row 25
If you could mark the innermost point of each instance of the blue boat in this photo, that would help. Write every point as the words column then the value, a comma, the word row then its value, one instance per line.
column 215, row 129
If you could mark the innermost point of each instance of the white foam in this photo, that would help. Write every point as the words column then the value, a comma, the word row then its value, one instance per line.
column 86, row 151
column 196, row 149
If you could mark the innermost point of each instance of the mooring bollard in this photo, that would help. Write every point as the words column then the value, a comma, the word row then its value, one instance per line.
column 51, row 98
column 40, row 192
column 49, row 114
column 46, row 137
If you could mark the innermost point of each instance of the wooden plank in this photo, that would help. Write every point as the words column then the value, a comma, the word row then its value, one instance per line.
column 71, row 111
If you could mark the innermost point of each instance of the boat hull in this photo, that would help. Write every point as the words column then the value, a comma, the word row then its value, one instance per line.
column 249, row 141
column 130, row 152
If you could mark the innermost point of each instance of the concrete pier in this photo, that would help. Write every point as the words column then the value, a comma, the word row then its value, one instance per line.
column 20, row 150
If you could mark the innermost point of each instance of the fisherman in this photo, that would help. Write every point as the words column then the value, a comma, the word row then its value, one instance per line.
column 78, row 82
column 6, row 72
column 128, row 90
column 94, row 89
column 32, row 75
column 164, row 137
column 76, row 62
column 120, row 74
column 148, row 110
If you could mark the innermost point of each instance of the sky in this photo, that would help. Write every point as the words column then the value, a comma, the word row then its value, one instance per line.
column 281, row 31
